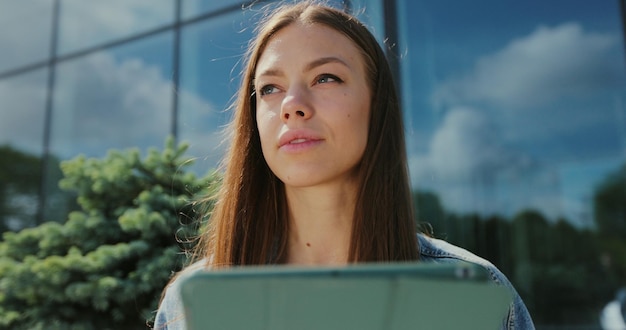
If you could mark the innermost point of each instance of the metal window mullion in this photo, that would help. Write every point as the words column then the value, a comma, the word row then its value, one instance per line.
column 52, row 60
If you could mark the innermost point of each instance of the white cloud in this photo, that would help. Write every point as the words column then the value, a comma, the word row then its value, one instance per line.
column 82, row 24
column 201, row 125
column 548, row 64
column 103, row 103
column 470, row 168
column 466, row 163
column 467, row 144
column 24, row 32
column 536, row 87
column 23, row 111
column 99, row 103
column 86, row 23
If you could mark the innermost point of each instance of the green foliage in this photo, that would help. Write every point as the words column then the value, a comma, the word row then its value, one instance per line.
column 564, row 274
column 105, row 267
column 610, row 205
column 20, row 176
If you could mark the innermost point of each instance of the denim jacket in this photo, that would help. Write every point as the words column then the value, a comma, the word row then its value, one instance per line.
column 170, row 315
column 435, row 250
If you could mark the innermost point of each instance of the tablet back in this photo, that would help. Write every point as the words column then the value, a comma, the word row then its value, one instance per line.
column 365, row 297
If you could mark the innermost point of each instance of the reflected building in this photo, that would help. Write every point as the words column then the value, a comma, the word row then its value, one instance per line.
column 509, row 106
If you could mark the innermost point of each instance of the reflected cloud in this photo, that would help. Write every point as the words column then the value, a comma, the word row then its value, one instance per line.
column 23, row 111
column 82, row 24
column 537, row 90
column 85, row 23
column 32, row 19
column 103, row 103
column 472, row 170
column 468, row 144
column 202, row 127
column 548, row 64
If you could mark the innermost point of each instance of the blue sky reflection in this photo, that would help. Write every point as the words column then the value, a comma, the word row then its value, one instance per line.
column 514, row 105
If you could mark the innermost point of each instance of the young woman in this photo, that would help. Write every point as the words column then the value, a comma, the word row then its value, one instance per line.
column 316, row 173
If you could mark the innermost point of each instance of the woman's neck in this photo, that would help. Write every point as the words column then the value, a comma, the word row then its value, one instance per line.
column 320, row 224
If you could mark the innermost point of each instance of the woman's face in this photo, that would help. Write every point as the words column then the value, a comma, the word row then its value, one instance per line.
column 313, row 105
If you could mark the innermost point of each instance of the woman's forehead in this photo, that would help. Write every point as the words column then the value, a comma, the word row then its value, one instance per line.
column 299, row 42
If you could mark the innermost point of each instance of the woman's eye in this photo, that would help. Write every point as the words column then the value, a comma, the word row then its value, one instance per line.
column 269, row 89
column 326, row 78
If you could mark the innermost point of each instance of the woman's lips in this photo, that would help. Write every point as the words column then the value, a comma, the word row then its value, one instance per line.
column 299, row 147
column 298, row 140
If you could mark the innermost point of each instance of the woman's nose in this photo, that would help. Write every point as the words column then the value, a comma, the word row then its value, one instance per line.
column 298, row 113
column 296, row 105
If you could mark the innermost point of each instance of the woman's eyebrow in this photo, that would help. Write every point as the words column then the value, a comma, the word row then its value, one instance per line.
column 274, row 72
column 325, row 60
column 271, row 73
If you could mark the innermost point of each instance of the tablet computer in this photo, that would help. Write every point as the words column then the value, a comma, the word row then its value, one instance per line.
column 364, row 296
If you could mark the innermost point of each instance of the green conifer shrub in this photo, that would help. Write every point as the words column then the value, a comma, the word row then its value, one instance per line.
column 105, row 267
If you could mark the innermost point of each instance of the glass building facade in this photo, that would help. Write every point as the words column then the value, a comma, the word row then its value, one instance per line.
column 515, row 118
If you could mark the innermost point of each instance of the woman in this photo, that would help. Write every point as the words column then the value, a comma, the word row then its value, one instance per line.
column 316, row 173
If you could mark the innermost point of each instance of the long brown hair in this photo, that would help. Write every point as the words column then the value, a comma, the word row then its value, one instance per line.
column 248, row 224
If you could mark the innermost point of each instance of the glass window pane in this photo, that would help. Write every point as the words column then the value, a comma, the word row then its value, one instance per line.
column 85, row 24
column 371, row 13
column 211, row 52
column 119, row 98
column 33, row 21
column 22, row 99
column 515, row 118
column 192, row 8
